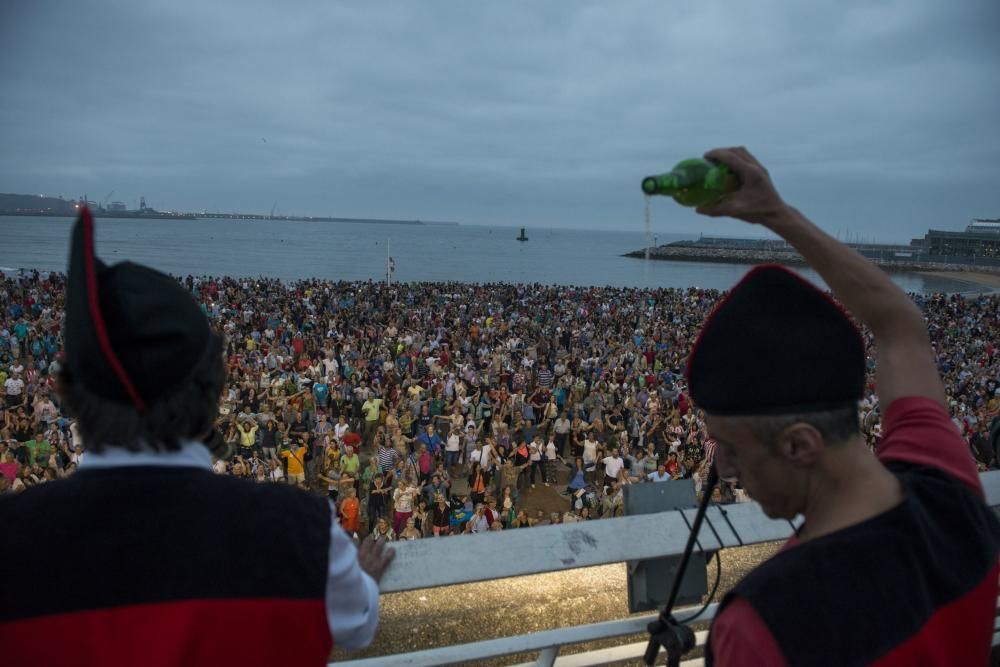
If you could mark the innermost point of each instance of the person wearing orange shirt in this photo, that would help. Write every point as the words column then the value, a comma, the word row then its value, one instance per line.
column 296, row 463
column 349, row 512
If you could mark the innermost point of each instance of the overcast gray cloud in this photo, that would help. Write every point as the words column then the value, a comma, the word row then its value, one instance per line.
column 878, row 118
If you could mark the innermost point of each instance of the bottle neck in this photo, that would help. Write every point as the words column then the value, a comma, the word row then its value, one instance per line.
column 663, row 184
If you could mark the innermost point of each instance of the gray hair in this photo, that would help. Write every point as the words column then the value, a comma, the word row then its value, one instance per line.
column 836, row 425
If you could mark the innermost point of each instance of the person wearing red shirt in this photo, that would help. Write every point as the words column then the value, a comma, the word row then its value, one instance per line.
column 896, row 562
column 672, row 467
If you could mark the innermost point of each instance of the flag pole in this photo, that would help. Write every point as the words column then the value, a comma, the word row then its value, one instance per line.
column 388, row 263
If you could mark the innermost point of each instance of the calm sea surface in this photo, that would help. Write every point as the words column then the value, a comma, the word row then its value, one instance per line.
column 357, row 251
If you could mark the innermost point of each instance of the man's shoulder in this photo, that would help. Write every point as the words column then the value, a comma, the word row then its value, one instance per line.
column 824, row 579
column 156, row 481
column 266, row 492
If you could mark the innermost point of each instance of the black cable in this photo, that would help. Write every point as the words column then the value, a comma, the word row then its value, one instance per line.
column 711, row 596
column 718, row 565
column 713, row 479
column 665, row 631
column 718, row 573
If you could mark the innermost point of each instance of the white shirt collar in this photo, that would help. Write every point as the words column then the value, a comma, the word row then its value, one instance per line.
column 191, row 455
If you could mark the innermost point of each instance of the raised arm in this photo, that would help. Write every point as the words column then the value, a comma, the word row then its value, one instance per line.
column 906, row 365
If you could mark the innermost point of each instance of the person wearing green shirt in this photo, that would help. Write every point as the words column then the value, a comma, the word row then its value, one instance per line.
column 351, row 464
column 437, row 406
column 39, row 448
column 371, row 409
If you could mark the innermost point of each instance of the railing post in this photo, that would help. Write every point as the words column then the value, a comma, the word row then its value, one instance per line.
column 547, row 656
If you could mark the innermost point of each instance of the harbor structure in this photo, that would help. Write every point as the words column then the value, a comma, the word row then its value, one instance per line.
column 981, row 238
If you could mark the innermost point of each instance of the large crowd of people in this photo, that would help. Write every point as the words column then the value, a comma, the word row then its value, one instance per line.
column 440, row 408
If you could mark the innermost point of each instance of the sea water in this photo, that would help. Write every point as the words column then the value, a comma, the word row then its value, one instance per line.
column 357, row 251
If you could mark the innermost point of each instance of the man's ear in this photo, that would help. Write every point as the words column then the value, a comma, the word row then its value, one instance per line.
column 801, row 443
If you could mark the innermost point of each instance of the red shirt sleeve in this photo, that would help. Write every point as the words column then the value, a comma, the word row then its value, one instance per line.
column 740, row 638
column 918, row 430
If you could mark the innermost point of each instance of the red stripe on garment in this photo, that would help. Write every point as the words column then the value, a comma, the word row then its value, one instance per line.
column 90, row 269
column 959, row 633
column 193, row 633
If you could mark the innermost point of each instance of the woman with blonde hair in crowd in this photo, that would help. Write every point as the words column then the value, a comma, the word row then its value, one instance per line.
column 399, row 441
column 479, row 523
column 410, row 532
column 350, row 512
column 391, row 420
column 383, row 530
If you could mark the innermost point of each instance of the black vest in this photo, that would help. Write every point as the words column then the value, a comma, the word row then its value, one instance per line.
column 851, row 597
column 161, row 537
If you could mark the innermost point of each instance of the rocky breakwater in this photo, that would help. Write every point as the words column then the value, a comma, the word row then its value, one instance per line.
column 768, row 252
column 693, row 253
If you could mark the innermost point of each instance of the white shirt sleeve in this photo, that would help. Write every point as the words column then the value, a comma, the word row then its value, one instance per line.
column 351, row 595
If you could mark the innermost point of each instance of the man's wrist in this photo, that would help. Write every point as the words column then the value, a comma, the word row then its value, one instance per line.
column 783, row 219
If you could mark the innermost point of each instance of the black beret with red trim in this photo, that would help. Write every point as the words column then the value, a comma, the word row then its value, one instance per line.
column 776, row 345
column 132, row 334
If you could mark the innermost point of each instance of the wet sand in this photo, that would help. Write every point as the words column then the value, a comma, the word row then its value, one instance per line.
column 976, row 279
column 424, row 619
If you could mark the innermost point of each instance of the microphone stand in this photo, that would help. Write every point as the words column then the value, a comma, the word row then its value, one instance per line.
column 665, row 631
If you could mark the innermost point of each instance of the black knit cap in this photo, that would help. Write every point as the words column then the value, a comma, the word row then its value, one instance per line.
column 776, row 345
column 132, row 334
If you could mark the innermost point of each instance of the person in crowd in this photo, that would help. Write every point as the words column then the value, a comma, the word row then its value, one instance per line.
column 479, row 522
column 577, row 481
column 403, row 500
column 613, row 465
column 536, row 457
column 350, row 512
column 379, row 496
column 383, row 532
column 410, row 531
column 661, row 475
column 295, row 457
column 441, row 516
column 613, row 500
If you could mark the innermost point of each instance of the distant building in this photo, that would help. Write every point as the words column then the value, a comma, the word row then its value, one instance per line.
column 981, row 238
column 117, row 206
column 13, row 204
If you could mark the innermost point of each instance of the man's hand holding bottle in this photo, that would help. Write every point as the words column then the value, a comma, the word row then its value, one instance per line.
column 756, row 201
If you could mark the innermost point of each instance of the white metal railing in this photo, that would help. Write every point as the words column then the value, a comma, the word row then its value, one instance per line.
column 567, row 546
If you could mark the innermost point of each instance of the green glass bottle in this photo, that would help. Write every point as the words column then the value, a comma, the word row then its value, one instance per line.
column 693, row 182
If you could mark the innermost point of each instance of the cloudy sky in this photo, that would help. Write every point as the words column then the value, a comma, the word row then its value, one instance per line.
column 876, row 118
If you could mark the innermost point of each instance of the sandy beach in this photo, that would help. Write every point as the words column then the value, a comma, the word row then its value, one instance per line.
column 977, row 279
column 429, row 618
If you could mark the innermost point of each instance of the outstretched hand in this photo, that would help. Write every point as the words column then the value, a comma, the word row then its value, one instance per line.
column 756, row 201
column 374, row 557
